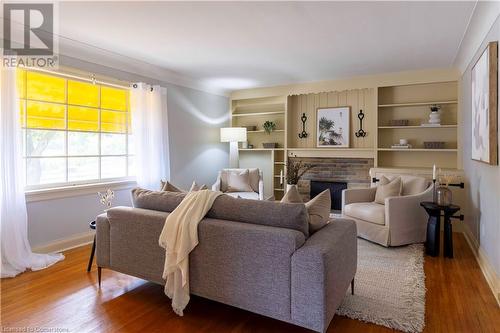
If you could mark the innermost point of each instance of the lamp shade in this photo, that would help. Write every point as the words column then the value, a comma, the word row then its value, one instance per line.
column 233, row 134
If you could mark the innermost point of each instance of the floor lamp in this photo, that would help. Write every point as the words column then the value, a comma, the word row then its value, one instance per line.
column 233, row 135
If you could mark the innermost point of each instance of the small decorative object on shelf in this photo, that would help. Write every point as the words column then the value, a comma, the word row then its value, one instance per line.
column 399, row 122
column 295, row 170
column 434, row 116
column 250, row 146
column 303, row 134
column 250, row 128
column 244, row 145
column 433, row 144
column 269, row 127
column 403, row 144
column 106, row 198
column 361, row 133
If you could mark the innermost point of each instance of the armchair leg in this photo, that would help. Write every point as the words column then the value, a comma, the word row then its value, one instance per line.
column 352, row 287
column 99, row 275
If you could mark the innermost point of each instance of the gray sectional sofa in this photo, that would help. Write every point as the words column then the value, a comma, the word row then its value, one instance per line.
column 254, row 255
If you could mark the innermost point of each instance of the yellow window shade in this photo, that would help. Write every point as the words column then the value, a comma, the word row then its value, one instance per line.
column 21, row 83
column 47, row 88
column 112, row 121
column 114, row 99
column 46, row 115
column 22, row 113
column 83, row 119
column 81, row 93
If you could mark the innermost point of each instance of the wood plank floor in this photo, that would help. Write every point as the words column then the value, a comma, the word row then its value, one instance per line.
column 66, row 298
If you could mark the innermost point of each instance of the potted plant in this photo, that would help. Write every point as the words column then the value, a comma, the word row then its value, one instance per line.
column 294, row 171
column 269, row 127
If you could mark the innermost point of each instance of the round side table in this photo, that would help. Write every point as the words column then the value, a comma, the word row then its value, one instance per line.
column 91, row 259
column 434, row 228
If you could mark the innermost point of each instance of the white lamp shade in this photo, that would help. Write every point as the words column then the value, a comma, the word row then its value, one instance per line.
column 233, row 134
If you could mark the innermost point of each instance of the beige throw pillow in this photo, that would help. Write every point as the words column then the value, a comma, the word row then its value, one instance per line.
column 319, row 209
column 239, row 181
column 196, row 187
column 167, row 186
column 386, row 189
column 414, row 185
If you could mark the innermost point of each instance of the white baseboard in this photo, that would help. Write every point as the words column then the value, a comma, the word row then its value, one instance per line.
column 65, row 244
column 484, row 263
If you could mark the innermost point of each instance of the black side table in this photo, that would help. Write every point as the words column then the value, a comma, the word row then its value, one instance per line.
column 91, row 259
column 434, row 228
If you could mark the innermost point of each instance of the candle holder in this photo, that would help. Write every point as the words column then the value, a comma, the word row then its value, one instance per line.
column 434, row 193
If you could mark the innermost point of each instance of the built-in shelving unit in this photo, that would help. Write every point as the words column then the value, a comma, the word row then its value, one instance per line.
column 381, row 104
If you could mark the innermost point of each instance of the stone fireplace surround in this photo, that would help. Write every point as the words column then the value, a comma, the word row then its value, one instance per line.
column 353, row 171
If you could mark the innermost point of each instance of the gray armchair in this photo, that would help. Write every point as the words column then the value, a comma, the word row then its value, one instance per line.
column 399, row 221
column 256, row 183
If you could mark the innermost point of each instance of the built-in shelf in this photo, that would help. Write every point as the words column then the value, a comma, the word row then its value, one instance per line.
column 257, row 113
column 261, row 149
column 416, row 126
column 258, row 106
column 279, row 163
column 416, row 104
column 451, row 150
column 262, row 131
column 279, row 189
column 332, row 149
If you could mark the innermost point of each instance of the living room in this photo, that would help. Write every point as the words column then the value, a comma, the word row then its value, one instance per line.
column 250, row 166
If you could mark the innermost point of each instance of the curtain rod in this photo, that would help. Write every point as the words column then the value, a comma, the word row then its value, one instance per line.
column 91, row 80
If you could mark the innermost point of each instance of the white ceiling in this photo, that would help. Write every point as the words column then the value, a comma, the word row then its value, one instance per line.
column 234, row 45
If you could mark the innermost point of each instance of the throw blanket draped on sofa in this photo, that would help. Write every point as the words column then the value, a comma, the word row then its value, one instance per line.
column 179, row 237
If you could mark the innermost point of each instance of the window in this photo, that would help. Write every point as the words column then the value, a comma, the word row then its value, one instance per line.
column 74, row 132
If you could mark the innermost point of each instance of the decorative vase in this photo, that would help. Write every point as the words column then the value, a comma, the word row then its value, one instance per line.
column 443, row 196
column 289, row 186
column 435, row 118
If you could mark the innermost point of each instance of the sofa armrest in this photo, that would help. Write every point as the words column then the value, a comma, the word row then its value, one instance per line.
column 216, row 185
column 261, row 189
column 322, row 270
column 358, row 195
column 406, row 219
column 102, row 241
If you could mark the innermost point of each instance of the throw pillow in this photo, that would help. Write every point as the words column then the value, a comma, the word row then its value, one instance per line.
column 239, row 181
column 196, row 187
column 292, row 196
column 319, row 209
column 414, row 185
column 167, row 186
column 387, row 189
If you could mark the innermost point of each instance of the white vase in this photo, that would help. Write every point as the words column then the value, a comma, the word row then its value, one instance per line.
column 435, row 118
column 289, row 186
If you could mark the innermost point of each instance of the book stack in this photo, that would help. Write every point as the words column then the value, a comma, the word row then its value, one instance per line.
column 400, row 146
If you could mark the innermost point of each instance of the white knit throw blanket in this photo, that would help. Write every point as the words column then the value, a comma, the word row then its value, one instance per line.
column 179, row 237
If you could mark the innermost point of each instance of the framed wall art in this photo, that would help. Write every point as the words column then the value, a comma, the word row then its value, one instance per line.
column 332, row 128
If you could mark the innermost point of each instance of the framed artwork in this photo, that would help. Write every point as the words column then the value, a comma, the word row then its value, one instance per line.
column 484, row 83
column 332, row 126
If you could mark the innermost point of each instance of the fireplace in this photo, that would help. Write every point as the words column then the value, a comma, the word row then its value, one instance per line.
column 335, row 191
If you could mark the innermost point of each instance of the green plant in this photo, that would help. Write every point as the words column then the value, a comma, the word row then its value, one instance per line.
column 269, row 126
column 295, row 170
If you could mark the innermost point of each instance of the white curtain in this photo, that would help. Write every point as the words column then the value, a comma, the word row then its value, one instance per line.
column 148, row 105
column 16, row 250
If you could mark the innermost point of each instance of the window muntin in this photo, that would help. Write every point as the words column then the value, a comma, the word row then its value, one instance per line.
column 74, row 132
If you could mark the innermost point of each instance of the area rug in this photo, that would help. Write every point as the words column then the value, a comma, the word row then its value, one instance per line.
column 389, row 287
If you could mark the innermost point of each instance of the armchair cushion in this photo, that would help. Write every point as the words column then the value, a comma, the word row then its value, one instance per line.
column 366, row 211
column 253, row 174
column 387, row 189
column 239, row 181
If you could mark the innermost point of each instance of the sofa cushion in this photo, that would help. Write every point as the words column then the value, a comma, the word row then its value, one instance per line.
column 253, row 174
column 225, row 207
column 244, row 195
column 387, row 189
column 169, row 187
column 239, row 181
column 366, row 211
column 319, row 209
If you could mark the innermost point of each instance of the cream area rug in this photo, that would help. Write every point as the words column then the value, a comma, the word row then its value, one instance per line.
column 389, row 287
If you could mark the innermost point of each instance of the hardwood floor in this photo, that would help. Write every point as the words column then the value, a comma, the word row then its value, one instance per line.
column 66, row 298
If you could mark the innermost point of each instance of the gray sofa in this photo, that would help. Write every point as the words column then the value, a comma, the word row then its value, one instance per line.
column 254, row 255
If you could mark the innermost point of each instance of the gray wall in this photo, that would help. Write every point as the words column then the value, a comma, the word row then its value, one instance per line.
column 194, row 119
column 483, row 187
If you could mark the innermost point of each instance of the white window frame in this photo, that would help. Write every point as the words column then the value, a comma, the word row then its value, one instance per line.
column 34, row 191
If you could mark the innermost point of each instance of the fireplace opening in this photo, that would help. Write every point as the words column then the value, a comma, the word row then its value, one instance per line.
column 335, row 191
